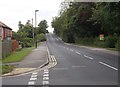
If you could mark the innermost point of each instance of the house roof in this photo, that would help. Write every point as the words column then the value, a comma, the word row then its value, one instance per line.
column 4, row 25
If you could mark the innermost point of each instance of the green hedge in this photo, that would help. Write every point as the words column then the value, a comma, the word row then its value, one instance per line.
column 109, row 42
column 117, row 46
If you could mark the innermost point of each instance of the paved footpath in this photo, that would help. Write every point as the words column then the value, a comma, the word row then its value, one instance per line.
column 36, row 59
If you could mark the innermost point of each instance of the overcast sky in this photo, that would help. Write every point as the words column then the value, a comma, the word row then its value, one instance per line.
column 13, row 11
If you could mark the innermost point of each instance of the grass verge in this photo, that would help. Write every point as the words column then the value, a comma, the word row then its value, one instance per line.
column 7, row 68
column 14, row 57
column 17, row 56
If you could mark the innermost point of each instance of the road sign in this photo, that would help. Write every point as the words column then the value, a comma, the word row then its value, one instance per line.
column 101, row 36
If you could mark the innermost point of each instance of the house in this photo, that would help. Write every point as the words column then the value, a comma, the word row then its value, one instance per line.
column 5, row 32
column 5, row 39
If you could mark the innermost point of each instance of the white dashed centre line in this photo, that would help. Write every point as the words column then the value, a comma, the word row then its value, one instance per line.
column 88, row 57
column 108, row 66
column 71, row 49
column 78, row 53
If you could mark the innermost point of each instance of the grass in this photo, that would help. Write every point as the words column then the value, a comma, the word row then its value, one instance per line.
column 14, row 57
column 7, row 68
column 17, row 56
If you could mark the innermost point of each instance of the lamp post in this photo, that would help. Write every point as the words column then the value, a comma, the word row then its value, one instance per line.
column 33, row 32
column 35, row 27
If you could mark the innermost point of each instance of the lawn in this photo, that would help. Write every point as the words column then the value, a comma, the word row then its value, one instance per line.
column 17, row 56
column 14, row 57
column 6, row 69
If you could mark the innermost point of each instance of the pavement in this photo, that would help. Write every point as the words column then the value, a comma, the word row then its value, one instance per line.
column 36, row 59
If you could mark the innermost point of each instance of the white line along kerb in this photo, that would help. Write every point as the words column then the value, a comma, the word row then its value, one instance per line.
column 108, row 66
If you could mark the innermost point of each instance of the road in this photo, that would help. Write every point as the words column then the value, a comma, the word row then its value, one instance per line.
column 73, row 66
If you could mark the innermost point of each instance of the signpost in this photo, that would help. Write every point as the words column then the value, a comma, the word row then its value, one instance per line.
column 101, row 37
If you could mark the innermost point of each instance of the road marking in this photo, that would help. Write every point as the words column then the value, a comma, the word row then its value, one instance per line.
column 78, row 66
column 71, row 49
column 60, row 68
column 45, row 82
column 45, row 78
column 108, row 66
column 67, row 48
column 46, row 72
column 31, row 83
column 46, row 75
column 88, row 57
column 33, row 78
column 34, row 73
column 78, row 53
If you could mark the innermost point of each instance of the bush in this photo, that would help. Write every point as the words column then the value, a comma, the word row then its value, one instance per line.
column 117, row 46
column 85, row 41
column 99, row 43
column 27, row 42
column 41, row 37
column 110, row 41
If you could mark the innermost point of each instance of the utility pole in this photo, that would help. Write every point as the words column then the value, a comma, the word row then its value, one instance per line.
column 35, row 27
column 33, row 32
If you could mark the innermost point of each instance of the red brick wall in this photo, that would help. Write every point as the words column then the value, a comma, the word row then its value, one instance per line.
column 15, row 45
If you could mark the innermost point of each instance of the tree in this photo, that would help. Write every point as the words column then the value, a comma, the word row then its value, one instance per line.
column 42, row 26
column 20, row 25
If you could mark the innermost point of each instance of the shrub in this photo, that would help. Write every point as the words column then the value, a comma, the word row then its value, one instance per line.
column 27, row 42
column 41, row 37
column 117, row 46
column 110, row 41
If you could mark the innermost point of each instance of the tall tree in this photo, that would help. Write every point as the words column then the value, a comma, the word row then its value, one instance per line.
column 42, row 26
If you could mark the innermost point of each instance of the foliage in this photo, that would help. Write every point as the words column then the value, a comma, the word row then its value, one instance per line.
column 25, row 33
column 17, row 56
column 42, row 26
column 41, row 37
column 86, row 20
column 110, row 41
column 28, row 42
column 7, row 68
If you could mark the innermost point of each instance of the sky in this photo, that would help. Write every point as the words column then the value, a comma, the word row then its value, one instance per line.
column 13, row 11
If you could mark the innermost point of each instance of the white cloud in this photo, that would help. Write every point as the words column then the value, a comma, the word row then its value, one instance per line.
column 13, row 11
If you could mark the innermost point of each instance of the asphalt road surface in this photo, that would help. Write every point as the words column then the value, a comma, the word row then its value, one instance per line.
column 74, row 66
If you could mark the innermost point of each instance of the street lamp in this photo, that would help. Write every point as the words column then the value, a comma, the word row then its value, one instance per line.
column 35, row 27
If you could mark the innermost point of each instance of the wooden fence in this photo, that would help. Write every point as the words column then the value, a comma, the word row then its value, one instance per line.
column 6, row 48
